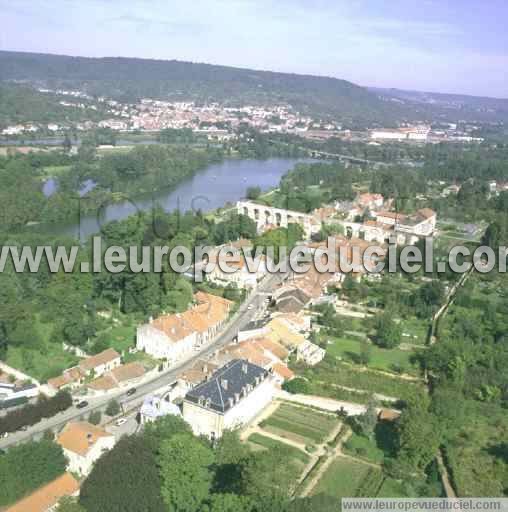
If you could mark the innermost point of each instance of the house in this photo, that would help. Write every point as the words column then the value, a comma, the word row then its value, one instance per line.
column 234, row 395
column 46, row 498
column 83, row 443
column 123, row 375
column 199, row 372
column 155, row 407
column 370, row 201
column 233, row 255
column 100, row 363
column 254, row 329
column 282, row 333
column 421, row 223
column 282, row 373
column 173, row 337
column 310, row 353
column 70, row 379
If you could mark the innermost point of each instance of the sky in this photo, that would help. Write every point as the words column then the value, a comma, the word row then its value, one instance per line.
column 455, row 46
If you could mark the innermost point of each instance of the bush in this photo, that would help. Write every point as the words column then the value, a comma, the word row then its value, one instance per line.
column 296, row 386
column 95, row 417
column 33, row 413
column 113, row 408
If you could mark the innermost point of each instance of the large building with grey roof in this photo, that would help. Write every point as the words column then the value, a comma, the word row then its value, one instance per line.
column 230, row 398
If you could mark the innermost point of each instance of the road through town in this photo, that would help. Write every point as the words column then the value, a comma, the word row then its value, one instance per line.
column 249, row 308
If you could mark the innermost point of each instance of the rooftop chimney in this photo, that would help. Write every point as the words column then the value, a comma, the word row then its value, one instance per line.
column 224, row 383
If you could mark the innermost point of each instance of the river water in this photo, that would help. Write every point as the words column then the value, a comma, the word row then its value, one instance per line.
column 211, row 188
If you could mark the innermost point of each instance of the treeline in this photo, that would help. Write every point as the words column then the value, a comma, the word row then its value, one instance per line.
column 28, row 466
column 22, row 104
column 167, row 468
column 31, row 414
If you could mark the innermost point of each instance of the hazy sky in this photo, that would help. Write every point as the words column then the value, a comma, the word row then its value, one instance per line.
column 437, row 45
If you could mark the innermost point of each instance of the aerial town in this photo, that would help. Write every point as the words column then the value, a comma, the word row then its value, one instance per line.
column 274, row 283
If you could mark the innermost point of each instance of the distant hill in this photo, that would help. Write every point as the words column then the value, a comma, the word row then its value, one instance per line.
column 128, row 79
column 131, row 79
column 448, row 106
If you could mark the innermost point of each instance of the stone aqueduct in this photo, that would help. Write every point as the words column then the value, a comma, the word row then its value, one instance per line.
column 266, row 215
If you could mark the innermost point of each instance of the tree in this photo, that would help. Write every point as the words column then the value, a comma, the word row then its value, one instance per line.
column 27, row 466
column 253, row 193
column 368, row 420
column 419, row 435
column 296, row 386
column 124, row 479
column 185, row 469
column 165, row 428
column 388, row 332
column 267, row 475
column 95, row 417
column 365, row 354
column 228, row 503
column 229, row 453
column 113, row 408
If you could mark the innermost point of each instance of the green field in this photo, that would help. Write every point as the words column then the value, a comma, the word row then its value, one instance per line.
column 350, row 349
column 121, row 337
column 330, row 373
column 44, row 359
column 347, row 479
column 364, row 448
column 300, row 424
column 259, row 440
column 49, row 360
column 391, row 489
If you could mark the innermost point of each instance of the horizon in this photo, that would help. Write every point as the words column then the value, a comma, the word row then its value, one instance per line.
column 365, row 86
column 458, row 48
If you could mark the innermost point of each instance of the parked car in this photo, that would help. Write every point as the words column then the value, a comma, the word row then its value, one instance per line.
column 82, row 404
column 120, row 422
column 131, row 391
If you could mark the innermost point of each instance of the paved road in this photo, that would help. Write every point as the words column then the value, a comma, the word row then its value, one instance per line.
column 247, row 312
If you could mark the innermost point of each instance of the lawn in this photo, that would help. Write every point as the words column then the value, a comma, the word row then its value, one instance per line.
column 121, row 337
column 414, row 331
column 345, row 478
column 391, row 488
column 330, row 373
column 300, row 424
column 259, row 440
column 41, row 364
column 350, row 349
column 364, row 448
column 47, row 359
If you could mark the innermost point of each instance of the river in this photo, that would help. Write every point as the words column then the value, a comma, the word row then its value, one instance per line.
column 207, row 190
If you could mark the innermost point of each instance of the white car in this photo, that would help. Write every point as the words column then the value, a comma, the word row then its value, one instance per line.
column 120, row 422
column 250, row 306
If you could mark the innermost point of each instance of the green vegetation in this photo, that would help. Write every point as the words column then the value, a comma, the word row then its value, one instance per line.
column 346, row 478
column 28, row 466
column 31, row 414
column 327, row 378
column 269, row 443
column 351, row 349
column 299, row 424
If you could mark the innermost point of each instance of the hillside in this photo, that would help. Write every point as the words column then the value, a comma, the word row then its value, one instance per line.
column 452, row 107
column 130, row 79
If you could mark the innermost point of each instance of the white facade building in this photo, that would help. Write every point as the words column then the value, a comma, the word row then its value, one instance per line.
column 234, row 395
column 82, row 444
